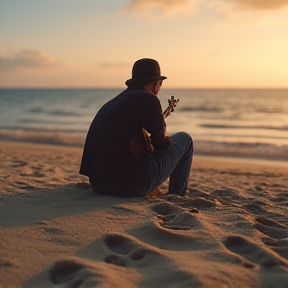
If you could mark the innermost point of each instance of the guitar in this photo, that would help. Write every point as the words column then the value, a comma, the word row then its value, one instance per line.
column 141, row 141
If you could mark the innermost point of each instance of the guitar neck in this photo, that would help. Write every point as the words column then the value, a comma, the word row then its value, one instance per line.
column 172, row 103
column 167, row 112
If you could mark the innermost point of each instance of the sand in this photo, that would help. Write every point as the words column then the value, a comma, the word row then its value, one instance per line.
column 230, row 230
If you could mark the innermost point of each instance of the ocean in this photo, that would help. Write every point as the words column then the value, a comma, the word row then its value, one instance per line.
column 248, row 123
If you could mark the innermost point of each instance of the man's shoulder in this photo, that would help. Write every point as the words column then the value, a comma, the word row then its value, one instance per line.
column 139, row 94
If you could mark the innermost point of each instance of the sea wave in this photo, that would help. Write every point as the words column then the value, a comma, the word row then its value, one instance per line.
column 200, row 109
column 282, row 128
column 241, row 149
column 22, row 129
column 54, row 112
column 44, row 137
column 60, row 112
column 202, row 147
column 36, row 110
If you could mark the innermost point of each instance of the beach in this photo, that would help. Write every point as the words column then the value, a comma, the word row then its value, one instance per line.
column 230, row 230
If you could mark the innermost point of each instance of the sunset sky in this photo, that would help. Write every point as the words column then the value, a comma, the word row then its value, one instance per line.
column 94, row 43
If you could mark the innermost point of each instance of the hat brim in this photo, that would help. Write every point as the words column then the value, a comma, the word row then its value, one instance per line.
column 138, row 81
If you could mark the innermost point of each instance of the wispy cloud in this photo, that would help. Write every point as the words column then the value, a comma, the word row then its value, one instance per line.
column 261, row 4
column 161, row 8
column 26, row 59
column 167, row 8
column 244, row 14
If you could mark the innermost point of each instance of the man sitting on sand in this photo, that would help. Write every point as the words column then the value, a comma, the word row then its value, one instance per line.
column 116, row 161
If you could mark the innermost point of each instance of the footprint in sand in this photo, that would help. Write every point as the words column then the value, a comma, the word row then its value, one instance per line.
column 57, row 235
column 54, row 231
column 257, row 207
column 280, row 246
column 131, row 263
column 29, row 171
column 187, row 202
column 281, row 199
column 126, row 252
column 253, row 253
column 3, row 175
column 271, row 228
column 77, row 273
column 23, row 185
column 129, row 252
column 173, row 217
column 15, row 163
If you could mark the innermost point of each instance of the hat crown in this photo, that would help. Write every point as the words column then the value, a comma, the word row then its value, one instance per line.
column 145, row 68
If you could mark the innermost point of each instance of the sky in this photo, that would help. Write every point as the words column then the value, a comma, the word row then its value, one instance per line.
column 94, row 43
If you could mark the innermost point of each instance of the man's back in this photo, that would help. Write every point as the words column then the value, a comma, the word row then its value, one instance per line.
column 107, row 158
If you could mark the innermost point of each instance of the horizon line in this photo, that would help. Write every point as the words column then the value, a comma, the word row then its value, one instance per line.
column 116, row 88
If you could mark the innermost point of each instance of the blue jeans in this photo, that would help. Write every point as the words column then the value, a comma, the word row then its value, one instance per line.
column 174, row 163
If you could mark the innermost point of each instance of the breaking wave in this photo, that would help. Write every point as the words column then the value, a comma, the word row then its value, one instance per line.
column 202, row 147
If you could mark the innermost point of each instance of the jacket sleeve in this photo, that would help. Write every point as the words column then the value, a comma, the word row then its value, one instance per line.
column 160, row 140
column 156, row 126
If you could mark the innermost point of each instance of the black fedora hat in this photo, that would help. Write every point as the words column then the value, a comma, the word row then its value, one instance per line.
column 145, row 70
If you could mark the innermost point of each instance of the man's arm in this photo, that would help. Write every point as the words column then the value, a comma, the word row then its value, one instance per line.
column 160, row 140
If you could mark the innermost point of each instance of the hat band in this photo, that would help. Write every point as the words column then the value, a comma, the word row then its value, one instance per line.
column 139, row 80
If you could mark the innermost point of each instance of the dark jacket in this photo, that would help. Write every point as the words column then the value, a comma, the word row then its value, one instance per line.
column 108, row 159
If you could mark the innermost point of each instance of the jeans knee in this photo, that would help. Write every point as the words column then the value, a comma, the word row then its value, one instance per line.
column 183, row 135
column 185, row 139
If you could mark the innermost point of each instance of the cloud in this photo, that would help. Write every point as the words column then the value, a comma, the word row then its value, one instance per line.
column 26, row 59
column 261, row 4
column 161, row 8
column 244, row 14
column 166, row 8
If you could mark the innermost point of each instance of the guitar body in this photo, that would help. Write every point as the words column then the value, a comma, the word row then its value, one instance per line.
column 141, row 142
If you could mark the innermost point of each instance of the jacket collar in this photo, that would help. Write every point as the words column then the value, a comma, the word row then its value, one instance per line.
column 136, row 87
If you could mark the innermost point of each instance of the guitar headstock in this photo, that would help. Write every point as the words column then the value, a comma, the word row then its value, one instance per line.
column 172, row 103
